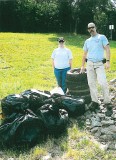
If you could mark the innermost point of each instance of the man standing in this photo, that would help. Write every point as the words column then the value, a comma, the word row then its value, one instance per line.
column 94, row 54
column 61, row 62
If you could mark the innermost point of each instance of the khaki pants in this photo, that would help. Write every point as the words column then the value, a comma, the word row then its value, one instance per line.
column 96, row 72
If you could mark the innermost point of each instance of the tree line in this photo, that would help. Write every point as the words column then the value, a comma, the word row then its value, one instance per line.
column 57, row 15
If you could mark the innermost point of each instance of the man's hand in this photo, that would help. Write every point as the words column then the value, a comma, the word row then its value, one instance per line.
column 82, row 69
column 107, row 66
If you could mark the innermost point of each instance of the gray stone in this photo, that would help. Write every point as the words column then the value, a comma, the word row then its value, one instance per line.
column 101, row 115
column 112, row 146
column 97, row 134
column 114, row 116
column 88, row 123
column 103, row 137
column 83, row 118
column 101, row 126
column 88, row 127
column 106, row 138
column 107, row 118
column 94, row 130
column 104, row 110
column 101, row 107
column 107, row 123
column 113, row 81
column 88, row 114
column 47, row 157
column 114, row 136
column 104, row 147
column 106, row 131
column 95, row 122
column 112, row 128
column 86, row 107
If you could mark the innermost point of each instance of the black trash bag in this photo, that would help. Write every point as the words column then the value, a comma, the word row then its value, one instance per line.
column 36, row 98
column 14, row 103
column 56, row 95
column 55, row 100
column 74, row 107
column 22, row 129
column 55, row 119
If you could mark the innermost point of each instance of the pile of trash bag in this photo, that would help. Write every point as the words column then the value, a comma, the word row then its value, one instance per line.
column 33, row 114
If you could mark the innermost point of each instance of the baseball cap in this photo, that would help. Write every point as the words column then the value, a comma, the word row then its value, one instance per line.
column 60, row 39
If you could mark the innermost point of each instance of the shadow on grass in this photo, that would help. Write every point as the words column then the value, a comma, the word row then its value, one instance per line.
column 70, row 39
column 55, row 142
column 76, row 40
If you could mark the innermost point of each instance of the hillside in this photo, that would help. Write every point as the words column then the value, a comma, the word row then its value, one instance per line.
column 25, row 62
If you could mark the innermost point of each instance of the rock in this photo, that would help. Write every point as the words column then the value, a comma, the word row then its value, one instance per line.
column 106, row 131
column 47, row 157
column 114, row 136
column 113, row 81
column 107, row 118
column 83, row 118
column 101, row 124
column 114, row 116
column 112, row 128
column 95, row 129
column 103, row 137
column 106, row 138
column 101, row 115
column 101, row 107
column 88, row 123
column 88, row 127
column 104, row 147
column 97, row 134
column 86, row 107
column 87, row 120
column 95, row 122
column 103, row 110
column 112, row 146
column 107, row 123
column 88, row 114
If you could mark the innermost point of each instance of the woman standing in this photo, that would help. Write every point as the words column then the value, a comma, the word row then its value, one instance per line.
column 62, row 62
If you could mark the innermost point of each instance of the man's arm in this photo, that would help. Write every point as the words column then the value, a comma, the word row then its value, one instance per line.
column 83, row 61
column 107, row 49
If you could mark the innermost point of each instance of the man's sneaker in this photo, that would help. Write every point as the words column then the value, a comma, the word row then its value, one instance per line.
column 109, row 111
column 93, row 106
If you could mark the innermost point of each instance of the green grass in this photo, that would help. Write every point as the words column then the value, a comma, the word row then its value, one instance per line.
column 25, row 62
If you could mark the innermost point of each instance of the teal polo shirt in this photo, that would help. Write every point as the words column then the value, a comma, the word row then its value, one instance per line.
column 95, row 47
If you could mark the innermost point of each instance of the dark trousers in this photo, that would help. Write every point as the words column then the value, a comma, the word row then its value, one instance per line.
column 60, row 75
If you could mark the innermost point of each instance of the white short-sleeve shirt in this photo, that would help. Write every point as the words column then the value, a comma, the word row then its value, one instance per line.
column 61, row 57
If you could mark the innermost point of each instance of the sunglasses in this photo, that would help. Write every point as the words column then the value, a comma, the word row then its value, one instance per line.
column 91, row 27
column 61, row 41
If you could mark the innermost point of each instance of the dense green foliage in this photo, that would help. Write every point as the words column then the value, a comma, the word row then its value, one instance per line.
column 56, row 15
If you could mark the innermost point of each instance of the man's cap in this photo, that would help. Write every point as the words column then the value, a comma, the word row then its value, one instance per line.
column 61, row 39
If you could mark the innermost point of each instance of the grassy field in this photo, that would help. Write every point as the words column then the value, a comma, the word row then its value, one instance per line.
column 25, row 62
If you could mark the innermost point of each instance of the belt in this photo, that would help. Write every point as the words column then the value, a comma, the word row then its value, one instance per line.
column 103, row 61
